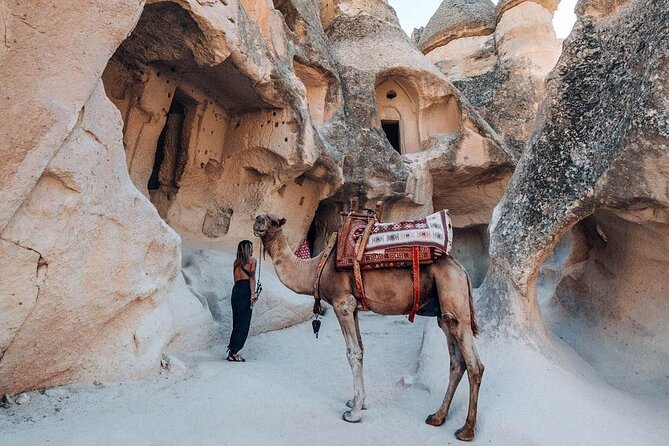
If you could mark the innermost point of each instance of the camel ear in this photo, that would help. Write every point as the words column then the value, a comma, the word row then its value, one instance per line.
column 282, row 222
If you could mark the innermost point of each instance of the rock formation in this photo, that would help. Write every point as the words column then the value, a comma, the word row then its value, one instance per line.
column 596, row 174
column 436, row 152
column 142, row 127
column 497, row 56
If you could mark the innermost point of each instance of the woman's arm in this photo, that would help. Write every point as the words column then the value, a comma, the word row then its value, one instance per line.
column 252, row 279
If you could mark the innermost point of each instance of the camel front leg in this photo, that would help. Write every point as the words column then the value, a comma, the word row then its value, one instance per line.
column 351, row 403
column 345, row 311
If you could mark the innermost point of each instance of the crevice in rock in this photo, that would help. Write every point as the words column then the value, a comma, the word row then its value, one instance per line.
column 290, row 15
column 40, row 277
column 28, row 24
column 325, row 222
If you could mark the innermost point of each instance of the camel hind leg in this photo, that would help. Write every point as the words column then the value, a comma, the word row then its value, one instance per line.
column 457, row 314
column 457, row 370
column 475, row 369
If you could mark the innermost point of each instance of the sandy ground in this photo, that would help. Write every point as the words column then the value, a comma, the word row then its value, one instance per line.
column 292, row 390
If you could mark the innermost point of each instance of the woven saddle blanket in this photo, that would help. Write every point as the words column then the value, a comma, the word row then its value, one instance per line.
column 391, row 245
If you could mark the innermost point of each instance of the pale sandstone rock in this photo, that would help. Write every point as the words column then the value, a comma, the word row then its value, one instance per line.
column 596, row 171
column 456, row 19
column 246, row 146
column 21, row 399
column 209, row 274
column 103, row 266
column 19, row 289
column 499, row 60
column 61, row 51
column 245, row 105
column 450, row 158
column 382, row 67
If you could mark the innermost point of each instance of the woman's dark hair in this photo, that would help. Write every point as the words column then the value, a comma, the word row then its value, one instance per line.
column 244, row 250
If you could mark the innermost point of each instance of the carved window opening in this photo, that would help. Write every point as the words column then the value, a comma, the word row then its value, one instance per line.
column 316, row 84
column 392, row 131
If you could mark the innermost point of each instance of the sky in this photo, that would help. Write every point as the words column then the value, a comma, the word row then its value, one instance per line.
column 416, row 13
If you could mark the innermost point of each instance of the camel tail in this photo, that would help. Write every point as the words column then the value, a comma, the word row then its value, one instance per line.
column 472, row 311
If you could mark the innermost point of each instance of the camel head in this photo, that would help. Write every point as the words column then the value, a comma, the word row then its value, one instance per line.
column 267, row 224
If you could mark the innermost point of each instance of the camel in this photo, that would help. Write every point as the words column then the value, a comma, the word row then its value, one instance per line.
column 445, row 293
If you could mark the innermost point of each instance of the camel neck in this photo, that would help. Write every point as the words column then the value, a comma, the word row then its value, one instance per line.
column 295, row 273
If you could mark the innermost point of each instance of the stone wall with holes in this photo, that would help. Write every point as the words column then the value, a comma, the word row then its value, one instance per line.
column 417, row 118
column 241, row 150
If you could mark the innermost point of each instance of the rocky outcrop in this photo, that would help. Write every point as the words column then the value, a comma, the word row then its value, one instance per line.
column 147, row 126
column 457, row 19
column 443, row 153
column 498, row 57
column 596, row 171
column 208, row 122
column 96, row 276
column 39, row 109
column 244, row 100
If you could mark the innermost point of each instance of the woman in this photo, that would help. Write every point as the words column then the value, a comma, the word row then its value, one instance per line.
column 244, row 273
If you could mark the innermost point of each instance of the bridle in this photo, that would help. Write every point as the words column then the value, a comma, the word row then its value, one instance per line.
column 263, row 251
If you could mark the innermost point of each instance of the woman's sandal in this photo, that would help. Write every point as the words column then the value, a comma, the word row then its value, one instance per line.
column 235, row 358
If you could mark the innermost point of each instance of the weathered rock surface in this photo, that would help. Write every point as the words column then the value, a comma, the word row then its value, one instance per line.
column 444, row 152
column 498, row 57
column 221, row 104
column 208, row 274
column 456, row 19
column 96, row 266
column 41, row 104
column 143, row 124
column 597, row 170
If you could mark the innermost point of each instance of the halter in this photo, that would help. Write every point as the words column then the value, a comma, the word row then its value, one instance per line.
column 258, row 282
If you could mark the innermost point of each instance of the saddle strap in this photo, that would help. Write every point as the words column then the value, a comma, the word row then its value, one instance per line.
column 360, row 252
column 321, row 264
column 415, row 266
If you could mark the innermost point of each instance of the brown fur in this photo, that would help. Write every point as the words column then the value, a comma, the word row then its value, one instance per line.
column 445, row 286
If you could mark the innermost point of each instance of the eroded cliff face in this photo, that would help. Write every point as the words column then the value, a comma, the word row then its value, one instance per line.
column 145, row 126
column 498, row 57
column 221, row 110
column 419, row 145
column 595, row 172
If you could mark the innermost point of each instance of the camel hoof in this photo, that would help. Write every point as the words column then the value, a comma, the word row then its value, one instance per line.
column 464, row 434
column 352, row 416
column 350, row 404
column 434, row 420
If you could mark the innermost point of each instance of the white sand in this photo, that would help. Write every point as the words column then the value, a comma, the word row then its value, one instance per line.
column 293, row 388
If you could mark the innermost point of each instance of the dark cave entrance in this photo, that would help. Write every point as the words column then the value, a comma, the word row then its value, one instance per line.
column 392, row 131
column 172, row 147
column 326, row 220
